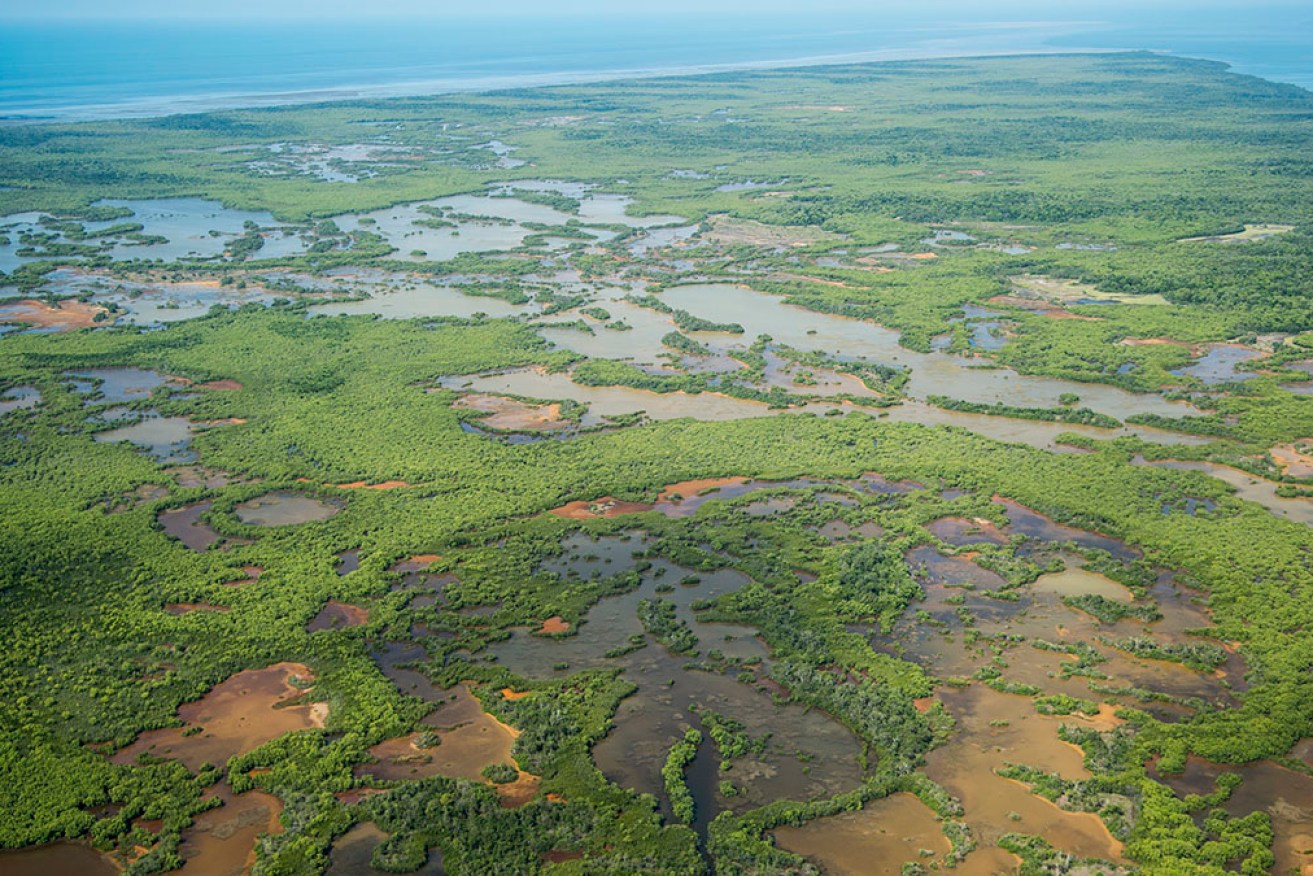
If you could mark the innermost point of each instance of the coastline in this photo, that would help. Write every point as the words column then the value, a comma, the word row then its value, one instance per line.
column 161, row 106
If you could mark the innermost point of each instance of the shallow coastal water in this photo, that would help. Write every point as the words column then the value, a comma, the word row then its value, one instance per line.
column 109, row 69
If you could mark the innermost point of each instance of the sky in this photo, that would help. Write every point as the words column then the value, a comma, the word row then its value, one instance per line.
column 318, row 10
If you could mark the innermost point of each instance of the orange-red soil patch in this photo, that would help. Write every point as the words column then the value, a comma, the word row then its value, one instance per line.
column 607, row 506
column 554, row 625
column 519, row 792
column 417, row 563
column 1153, row 342
column 365, row 485
column 697, row 487
column 67, row 316
column 253, row 574
column 220, row 385
column 509, row 694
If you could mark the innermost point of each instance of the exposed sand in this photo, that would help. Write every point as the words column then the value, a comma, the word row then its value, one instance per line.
column 730, row 232
column 70, row 314
column 1043, row 308
column 1250, row 234
column 607, row 506
column 512, row 415
column 1063, row 291
column 1296, row 459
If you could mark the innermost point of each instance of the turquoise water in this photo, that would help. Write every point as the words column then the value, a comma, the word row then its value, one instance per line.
column 85, row 70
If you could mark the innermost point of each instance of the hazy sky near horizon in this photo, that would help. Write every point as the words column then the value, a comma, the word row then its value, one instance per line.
column 318, row 10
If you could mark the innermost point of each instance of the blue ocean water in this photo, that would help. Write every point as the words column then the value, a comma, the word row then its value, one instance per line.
column 104, row 69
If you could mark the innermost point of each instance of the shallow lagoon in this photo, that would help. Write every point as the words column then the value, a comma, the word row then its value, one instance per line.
column 193, row 228
column 421, row 300
column 165, row 439
column 285, row 509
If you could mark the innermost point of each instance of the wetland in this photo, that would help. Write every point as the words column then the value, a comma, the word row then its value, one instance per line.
column 644, row 477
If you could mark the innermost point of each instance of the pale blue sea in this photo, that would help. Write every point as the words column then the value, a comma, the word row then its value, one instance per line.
column 105, row 70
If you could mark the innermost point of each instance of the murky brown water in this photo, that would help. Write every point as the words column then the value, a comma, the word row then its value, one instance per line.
column 1248, row 487
column 1032, row 524
column 185, row 524
column 665, row 705
column 881, row 837
column 809, row 754
column 236, row 716
column 468, row 740
column 959, row 531
column 221, row 842
column 610, row 401
column 995, row 729
column 338, row 616
column 56, row 859
column 1286, row 796
column 352, row 852
column 932, row 373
